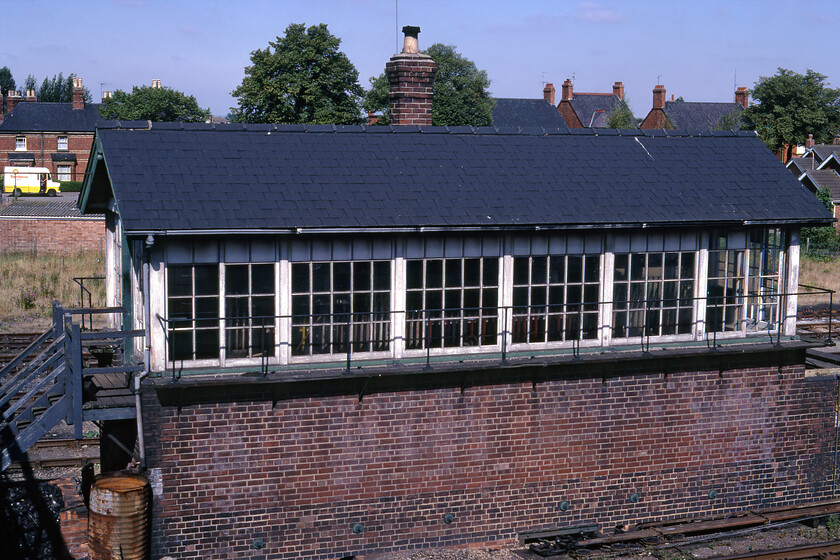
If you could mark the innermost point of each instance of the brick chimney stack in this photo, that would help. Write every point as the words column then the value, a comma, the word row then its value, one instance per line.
column 548, row 93
column 742, row 97
column 809, row 143
column 659, row 97
column 411, row 77
column 836, row 140
column 30, row 96
column 78, row 94
column 12, row 99
column 567, row 90
column 618, row 90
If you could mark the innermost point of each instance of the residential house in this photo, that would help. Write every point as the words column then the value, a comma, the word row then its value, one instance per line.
column 588, row 110
column 540, row 113
column 819, row 169
column 363, row 339
column 693, row 115
column 57, row 136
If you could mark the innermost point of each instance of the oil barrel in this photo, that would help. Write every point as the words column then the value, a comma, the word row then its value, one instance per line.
column 118, row 518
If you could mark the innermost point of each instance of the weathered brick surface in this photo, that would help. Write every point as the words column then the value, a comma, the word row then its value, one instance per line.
column 300, row 473
column 73, row 518
column 60, row 236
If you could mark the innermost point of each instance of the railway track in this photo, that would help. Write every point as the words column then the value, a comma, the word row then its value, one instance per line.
column 821, row 551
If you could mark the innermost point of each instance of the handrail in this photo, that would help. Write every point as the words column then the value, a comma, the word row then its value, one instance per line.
column 80, row 280
column 750, row 312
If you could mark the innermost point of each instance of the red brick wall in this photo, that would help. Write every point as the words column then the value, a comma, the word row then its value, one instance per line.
column 43, row 146
column 73, row 519
column 501, row 458
column 60, row 236
column 569, row 115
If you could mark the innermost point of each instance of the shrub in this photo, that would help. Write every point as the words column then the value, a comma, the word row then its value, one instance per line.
column 71, row 186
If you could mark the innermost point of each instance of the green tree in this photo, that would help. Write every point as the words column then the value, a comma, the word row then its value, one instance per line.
column 7, row 82
column 821, row 239
column 57, row 89
column 620, row 115
column 461, row 95
column 158, row 104
column 729, row 121
column 300, row 78
column 789, row 106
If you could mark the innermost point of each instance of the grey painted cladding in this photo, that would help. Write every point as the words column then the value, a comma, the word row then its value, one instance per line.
column 273, row 177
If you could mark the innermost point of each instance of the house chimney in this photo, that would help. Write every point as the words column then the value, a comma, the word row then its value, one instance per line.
column 107, row 95
column 155, row 84
column 78, row 94
column 411, row 77
column 809, row 143
column 659, row 97
column 12, row 99
column 30, row 96
column 548, row 93
column 618, row 90
column 742, row 97
column 836, row 140
column 567, row 90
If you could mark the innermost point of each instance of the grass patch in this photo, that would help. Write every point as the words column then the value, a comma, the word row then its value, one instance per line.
column 821, row 272
column 30, row 283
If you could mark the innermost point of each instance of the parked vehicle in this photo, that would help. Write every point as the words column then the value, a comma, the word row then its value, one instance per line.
column 29, row 180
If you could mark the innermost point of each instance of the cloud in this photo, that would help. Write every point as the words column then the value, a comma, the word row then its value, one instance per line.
column 589, row 12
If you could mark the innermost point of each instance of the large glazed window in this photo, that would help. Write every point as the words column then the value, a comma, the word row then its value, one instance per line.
column 193, row 304
column 249, row 310
column 653, row 293
column 725, row 292
column 339, row 303
column 555, row 298
column 766, row 248
column 451, row 302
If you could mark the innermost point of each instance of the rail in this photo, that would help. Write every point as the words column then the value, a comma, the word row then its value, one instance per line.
column 84, row 291
column 355, row 336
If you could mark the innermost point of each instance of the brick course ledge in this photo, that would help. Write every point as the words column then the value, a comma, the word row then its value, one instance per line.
column 211, row 385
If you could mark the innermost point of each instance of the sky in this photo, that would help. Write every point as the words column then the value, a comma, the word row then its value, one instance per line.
column 698, row 49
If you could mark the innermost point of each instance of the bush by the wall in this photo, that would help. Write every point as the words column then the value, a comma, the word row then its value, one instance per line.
column 71, row 186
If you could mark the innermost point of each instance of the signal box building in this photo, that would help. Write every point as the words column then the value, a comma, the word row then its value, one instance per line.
column 363, row 339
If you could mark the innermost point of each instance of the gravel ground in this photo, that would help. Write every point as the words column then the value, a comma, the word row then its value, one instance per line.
column 724, row 545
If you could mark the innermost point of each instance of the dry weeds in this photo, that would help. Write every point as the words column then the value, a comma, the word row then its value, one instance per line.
column 30, row 283
column 821, row 273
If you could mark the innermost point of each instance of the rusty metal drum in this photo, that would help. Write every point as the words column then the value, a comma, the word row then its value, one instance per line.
column 118, row 523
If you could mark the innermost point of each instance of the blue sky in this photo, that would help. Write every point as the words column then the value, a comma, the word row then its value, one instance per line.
column 701, row 49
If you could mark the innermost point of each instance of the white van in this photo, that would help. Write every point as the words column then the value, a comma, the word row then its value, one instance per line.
column 29, row 180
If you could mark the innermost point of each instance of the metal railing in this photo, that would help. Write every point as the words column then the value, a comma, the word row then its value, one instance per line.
column 367, row 335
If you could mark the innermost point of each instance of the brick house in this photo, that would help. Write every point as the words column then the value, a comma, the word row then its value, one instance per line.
column 818, row 169
column 57, row 136
column 585, row 110
column 693, row 115
column 363, row 339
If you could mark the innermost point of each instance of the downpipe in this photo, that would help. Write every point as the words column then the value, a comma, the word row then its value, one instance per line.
column 147, row 351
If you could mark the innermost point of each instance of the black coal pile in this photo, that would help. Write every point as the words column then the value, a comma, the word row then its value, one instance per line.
column 29, row 524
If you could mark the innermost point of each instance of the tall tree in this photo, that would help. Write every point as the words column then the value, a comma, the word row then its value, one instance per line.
column 302, row 77
column 789, row 106
column 159, row 104
column 621, row 116
column 57, row 89
column 7, row 82
column 461, row 95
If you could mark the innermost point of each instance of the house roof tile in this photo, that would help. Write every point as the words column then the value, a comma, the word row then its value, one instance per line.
column 526, row 113
column 692, row 115
column 52, row 117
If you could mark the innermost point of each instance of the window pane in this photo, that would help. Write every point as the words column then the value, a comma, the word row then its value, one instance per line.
column 621, row 267
column 236, row 279
column 361, row 276
column 341, row 277
column 520, row 271
column 180, row 280
column 575, row 269
column 472, row 272
column 556, row 272
column 491, row 272
column 593, row 268
column 300, row 278
column 453, row 273
column 206, row 344
column 320, row 277
column 206, row 280
column 262, row 279
column 414, row 274
column 539, row 270
column 434, row 274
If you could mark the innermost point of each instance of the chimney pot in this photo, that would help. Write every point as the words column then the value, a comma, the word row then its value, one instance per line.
column 548, row 93
column 618, row 90
column 411, row 45
column 567, row 90
column 659, row 97
column 156, row 84
column 78, row 93
column 12, row 99
column 30, row 96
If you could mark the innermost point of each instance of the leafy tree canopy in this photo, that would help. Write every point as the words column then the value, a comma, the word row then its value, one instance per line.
column 460, row 97
column 7, row 82
column 789, row 106
column 158, row 104
column 729, row 121
column 301, row 78
column 620, row 116
column 57, row 89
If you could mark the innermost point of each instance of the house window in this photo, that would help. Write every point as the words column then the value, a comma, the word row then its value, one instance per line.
column 20, row 143
column 249, row 310
column 193, row 304
column 64, row 173
column 724, row 297
column 766, row 248
column 62, row 143
column 336, row 304
column 653, row 293
column 451, row 302
column 555, row 298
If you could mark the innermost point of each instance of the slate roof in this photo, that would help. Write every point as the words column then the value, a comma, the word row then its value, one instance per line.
column 695, row 115
column 274, row 178
column 51, row 117
column 26, row 207
column 586, row 105
column 824, row 178
column 526, row 113
column 824, row 151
